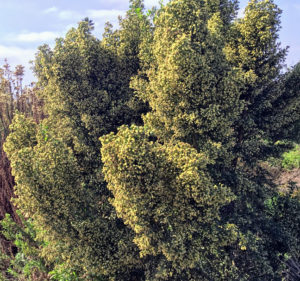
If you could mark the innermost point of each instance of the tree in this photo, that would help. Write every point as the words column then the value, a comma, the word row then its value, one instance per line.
column 194, row 103
column 214, row 85
column 13, row 97
column 59, row 178
column 254, row 49
column 183, row 196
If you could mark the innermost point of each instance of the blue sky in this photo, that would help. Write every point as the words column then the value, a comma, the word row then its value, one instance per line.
column 27, row 24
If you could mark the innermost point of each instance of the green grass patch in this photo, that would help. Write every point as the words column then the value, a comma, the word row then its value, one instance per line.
column 291, row 159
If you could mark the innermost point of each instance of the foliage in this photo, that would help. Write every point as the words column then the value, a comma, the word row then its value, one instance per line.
column 286, row 206
column 135, row 32
column 190, row 87
column 63, row 273
column 26, row 264
column 164, row 193
column 291, row 159
column 254, row 49
column 56, row 166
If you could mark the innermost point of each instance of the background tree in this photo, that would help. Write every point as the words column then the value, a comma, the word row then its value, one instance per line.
column 268, row 117
column 283, row 122
column 13, row 97
column 254, row 49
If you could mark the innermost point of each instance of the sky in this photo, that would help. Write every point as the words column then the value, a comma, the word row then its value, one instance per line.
column 27, row 24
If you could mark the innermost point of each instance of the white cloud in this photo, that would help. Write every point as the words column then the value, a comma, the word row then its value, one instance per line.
column 16, row 53
column 105, row 14
column 44, row 36
column 151, row 3
column 50, row 10
column 69, row 15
